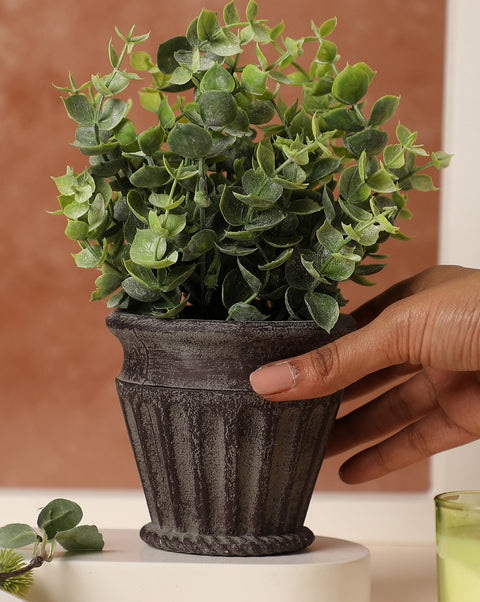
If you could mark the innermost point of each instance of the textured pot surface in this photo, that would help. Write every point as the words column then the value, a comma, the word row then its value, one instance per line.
column 224, row 471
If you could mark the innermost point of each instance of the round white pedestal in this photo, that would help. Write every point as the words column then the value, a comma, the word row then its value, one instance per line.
column 330, row 570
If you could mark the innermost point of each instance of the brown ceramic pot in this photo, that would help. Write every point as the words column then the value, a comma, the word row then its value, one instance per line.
column 224, row 471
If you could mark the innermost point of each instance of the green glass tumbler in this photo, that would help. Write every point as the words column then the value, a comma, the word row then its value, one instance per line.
column 458, row 546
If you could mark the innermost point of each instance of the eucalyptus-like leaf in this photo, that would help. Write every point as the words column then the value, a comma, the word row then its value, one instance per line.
column 112, row 113
column 372, row 141
column 59, row 515
column 323, row 309
column 217, row 108
column 84, row 538
column 148, row 248
column 150, row 176
column 383, row 109
column 350, row 85
column 150, row 140
column 189, row 140
column 140, row 291
column 17, row 535
column 166, row 60
column 278, row 261
column 243, row 312
column 199, row 244
column 217, row 78
column 80, row 109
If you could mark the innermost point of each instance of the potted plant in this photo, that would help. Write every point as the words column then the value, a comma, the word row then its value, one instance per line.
column 222, row 233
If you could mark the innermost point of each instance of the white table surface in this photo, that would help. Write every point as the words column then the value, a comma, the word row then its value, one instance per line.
column 130, row 570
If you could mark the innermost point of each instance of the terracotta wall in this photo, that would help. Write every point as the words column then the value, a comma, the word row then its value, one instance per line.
column 60, row 422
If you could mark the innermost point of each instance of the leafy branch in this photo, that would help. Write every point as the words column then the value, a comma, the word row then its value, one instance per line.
column 220, row 208
column 58, row 523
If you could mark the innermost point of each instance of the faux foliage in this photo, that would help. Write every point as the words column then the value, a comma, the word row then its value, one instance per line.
column 57, row 523
column 234, row 204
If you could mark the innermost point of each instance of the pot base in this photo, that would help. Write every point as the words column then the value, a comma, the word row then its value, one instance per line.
column 226, row 545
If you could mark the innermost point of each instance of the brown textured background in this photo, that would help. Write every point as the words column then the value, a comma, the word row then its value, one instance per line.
column 60, row 421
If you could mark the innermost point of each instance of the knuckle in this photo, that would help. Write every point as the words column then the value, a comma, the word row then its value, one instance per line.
column 321, row 364
column 418, row 443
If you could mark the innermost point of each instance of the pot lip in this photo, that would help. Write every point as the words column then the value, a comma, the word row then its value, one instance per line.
column 118, row 316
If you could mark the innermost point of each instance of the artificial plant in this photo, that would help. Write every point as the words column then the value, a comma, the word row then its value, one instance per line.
column 234, row 204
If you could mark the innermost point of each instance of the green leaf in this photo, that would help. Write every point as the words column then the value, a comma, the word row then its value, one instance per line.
column 323, row 309
column 189, row 140
column 166, row 115
column 233, row 210
column 217, row 108
column 350, row 85
column 148, row 248
column 252, row 10
column 76, row 230
column 84, row 538
column 371, row 140
column 394, row 156
column 338, row 268
column 266, row 156
column 329, row 237
column 166, row 61
column 90, row 257
column 171, row 312
column 59, row 515
column 381, row 181
column 17, row 535
column 253, row 282
column 423, row 183
column 176, row 276
column 383, row 109
column 125, row 132
column 106, row 285
column 327, row 27
column 243, row 312
column 217, row 78
column 258, row 184
column 322, row 168
column 304, row 206
column 278, row 261
column 140, row 291
column 112, row 113
column 150, row 176
column 254, row 81
column 182, row 75
column 230, row 14
column 150, row 140
column 150, row 99
column 200, row 243
column 351, row 185
column 80, row 109
column 207, row 24
column 141, row 60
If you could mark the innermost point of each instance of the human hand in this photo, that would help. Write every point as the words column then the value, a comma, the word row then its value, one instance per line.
column 427, row 327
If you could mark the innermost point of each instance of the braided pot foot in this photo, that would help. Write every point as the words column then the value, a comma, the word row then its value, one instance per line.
column 226, row 545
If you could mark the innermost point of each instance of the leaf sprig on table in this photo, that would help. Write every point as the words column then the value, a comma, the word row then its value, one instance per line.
column 57, row 523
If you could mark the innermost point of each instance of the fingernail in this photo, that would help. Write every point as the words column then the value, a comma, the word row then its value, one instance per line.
column 273, row 378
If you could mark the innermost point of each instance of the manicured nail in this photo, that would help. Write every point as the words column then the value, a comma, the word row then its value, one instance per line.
column 273, row 378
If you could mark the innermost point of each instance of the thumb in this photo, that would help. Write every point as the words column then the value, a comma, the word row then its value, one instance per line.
column 331, row 367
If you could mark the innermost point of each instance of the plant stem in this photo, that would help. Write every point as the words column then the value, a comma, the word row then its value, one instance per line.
column 33, row 564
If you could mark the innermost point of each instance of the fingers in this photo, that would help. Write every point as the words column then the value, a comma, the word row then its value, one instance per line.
column 424, row 280
column 332, row 367
column 395, row 409
column 438, row 409
column 380, row 379
column 432, row 434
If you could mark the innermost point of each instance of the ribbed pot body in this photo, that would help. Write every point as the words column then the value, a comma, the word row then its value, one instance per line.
column 224, row 471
